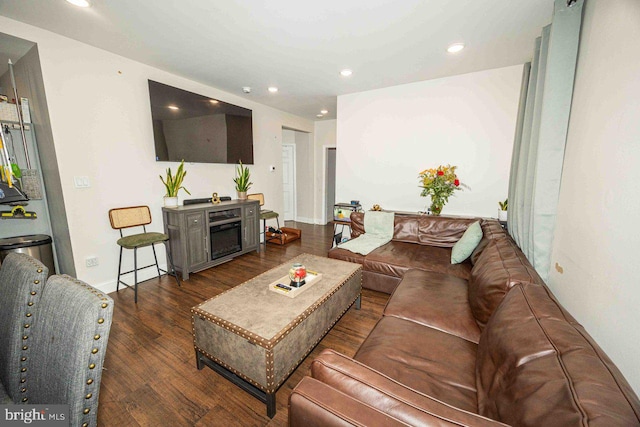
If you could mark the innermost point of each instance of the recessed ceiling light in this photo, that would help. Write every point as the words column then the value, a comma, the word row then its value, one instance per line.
column 214, row 101
column 319, row 115
column 324, row 111
column 455, row 48
column 346, row 72
column 273, row 89
column 246, row 89
column 79, row 3
column 173, row 107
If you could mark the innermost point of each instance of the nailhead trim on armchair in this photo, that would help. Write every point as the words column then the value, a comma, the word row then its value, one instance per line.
column 22, row 279
column 71, row 337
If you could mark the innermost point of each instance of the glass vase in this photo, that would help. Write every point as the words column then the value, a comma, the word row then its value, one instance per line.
column 297, row 274
column 436, row 208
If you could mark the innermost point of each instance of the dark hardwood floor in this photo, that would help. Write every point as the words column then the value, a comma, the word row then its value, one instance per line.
column 150, row 376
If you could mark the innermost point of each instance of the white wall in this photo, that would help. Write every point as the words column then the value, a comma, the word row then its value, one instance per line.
column 387, row 136
column 324, row 136
column 596, row 241
column 101, row 124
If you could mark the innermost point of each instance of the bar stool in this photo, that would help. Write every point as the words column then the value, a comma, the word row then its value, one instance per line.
column 264, row 215
column 138, row 216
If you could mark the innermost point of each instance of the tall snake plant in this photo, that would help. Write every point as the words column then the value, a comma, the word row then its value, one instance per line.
column 173, row 183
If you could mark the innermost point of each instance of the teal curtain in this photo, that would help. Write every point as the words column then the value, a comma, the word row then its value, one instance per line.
column 541, row 133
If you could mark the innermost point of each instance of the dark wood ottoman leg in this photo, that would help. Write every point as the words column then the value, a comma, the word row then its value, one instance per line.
column 199, row 363
column 271, row 404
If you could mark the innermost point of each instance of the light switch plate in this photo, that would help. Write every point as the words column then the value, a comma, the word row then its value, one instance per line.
column 81, row 181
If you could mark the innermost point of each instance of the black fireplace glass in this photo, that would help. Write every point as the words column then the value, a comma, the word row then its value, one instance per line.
column 225, row 239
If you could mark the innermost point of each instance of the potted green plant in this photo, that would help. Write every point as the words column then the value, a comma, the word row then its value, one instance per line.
column 242, row 181
column 502, row 212
column 173, row 184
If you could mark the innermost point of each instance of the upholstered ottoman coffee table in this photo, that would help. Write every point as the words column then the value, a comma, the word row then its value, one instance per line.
column 256, row 337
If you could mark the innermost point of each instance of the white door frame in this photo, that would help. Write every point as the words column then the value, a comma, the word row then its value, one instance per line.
column 295, row 190
column 325, row 165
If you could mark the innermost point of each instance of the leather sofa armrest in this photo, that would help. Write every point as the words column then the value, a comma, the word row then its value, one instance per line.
column 357, row 224
column 388, row 396
column 315, row 404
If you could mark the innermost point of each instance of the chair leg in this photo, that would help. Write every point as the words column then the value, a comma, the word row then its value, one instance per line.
column 173, row 268
column 264, row 234
column 135, row 274
column 153, row 247
column 119, row 270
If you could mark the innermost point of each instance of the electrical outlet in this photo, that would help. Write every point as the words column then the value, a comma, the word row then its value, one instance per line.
column 91, row 261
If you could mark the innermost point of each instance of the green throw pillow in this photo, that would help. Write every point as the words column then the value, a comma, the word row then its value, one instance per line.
column 467, row 243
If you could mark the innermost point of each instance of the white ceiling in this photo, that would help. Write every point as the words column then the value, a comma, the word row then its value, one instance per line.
column 300, row 46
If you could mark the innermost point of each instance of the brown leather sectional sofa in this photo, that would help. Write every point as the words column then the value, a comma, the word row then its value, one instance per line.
column 482, row 343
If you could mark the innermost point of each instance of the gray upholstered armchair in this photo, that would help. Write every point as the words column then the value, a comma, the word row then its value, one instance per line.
column 22, row 279
column 67, row 341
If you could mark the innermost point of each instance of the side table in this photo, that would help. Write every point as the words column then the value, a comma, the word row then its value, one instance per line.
column 341, row 211
column 337, row 237
column 341, row 217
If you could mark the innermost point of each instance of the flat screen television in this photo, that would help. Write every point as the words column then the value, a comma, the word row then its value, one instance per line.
column 198, row 129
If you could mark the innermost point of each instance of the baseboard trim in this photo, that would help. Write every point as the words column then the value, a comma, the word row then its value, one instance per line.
column 146, row 274
column 305, row 220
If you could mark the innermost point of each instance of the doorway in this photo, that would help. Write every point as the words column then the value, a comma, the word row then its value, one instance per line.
column 289, row 181
column 330, row 183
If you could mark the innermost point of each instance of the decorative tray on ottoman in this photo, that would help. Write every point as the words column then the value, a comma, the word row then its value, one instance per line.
column 287, row 235
column 292, row 292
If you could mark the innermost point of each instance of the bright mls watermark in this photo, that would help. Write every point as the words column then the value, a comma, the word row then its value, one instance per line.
column 34, row 415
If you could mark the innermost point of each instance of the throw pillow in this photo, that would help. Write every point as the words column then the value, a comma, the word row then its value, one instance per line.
column 467, row 243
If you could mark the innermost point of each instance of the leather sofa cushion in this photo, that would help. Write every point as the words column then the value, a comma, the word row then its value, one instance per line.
column 345, row 255
column 442, row 231
column 424, row 359
column 491, row 229
column 380, row 282
column 537, row 368
column 313, row 403
column 501, row 266
column 395, row 258
column 437, row 300
column 388, row 395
